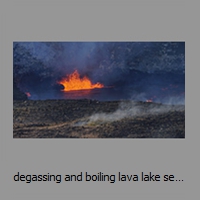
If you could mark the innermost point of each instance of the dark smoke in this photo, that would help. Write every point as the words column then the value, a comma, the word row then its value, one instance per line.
column 136, row 70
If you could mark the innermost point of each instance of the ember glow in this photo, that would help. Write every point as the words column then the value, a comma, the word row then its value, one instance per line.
column 74, row 82
column 28, row 94
column 149, row 100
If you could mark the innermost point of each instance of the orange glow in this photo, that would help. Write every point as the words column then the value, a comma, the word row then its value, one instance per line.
column 149, row 100
column 74, row 82
column 28, row 94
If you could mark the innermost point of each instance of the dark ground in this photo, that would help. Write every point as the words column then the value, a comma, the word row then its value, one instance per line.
column 64, row 119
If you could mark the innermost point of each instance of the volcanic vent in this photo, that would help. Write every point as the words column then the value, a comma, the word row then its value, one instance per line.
column 99, row 89
column 141, row 71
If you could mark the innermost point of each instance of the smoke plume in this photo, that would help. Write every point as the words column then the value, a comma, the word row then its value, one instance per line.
column 130, row 109
column 137, row 69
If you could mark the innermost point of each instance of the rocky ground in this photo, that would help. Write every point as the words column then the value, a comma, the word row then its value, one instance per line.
column 95, row 119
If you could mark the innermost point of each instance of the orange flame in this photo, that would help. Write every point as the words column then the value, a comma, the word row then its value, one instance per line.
column 74, row 82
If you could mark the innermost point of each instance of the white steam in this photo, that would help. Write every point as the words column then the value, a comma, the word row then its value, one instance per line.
column 130, row 109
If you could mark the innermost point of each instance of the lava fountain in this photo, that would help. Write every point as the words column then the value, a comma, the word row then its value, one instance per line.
column 75, row 82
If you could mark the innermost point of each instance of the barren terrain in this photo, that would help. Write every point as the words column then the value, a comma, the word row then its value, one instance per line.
column 96, row 119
